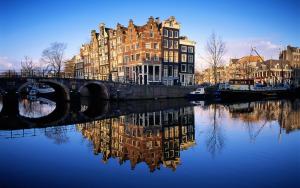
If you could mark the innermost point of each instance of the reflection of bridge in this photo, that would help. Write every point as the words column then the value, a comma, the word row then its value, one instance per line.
column 67, row 113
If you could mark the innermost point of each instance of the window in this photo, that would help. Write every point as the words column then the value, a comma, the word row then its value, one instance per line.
column 166, row 56
column 190, row 58
column 137, row 57
column 191, row 49
column 148, row 45
column 190, row 68
column 170, row 44
column 183, row 49
column 151, row 34
column 137, row 46
column 126, row 59
column 175, row 44
column 156, row 58
column 171, row 56
column 183, row 57
column 165, row 43
column 170, row 70
column 175, row 71
column 165, row 71
column 183, row 68
column 171, row 34
column 155, row 45
column 132, row 58
column 165, row 32
column 176, row 57
column 175, row 34
column 132, row 47
column 148, row 58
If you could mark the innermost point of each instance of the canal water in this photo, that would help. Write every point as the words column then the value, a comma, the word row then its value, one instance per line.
column 170, row 144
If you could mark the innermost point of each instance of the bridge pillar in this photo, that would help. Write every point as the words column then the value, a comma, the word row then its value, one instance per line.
column 10, row 104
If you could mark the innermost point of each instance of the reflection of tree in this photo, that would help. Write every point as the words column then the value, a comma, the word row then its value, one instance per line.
column 58, row 134
column 215, row 140
column 254, row 130
column 36, row 108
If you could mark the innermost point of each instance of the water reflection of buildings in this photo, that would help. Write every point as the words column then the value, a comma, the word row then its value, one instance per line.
column 155, row 138
column 287, row 113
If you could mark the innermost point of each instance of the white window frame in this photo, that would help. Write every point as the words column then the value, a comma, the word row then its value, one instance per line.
column 190, row 58
column 183, row 65
column 190, row 49
column 183, row 59
column 166, row 32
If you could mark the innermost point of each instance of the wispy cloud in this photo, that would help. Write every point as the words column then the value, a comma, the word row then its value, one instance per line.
column 265, row 48
column 7, row 63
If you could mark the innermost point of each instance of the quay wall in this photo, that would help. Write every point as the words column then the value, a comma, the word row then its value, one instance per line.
column 135, row 92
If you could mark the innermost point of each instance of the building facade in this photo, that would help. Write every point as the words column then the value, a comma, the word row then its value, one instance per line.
column 292, row 55
column 147, row 54
column 170, row 29
column 187, row 61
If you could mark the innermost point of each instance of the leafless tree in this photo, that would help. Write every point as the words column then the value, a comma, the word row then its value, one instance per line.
column 198, row 77
column 27, row 65
column 216, row 49
column 53, row 56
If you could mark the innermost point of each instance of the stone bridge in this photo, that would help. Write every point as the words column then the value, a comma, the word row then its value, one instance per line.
column 66, row 88
column 70, row 89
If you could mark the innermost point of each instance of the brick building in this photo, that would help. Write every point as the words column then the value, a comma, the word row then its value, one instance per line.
column 147, row 54
column 292, row 55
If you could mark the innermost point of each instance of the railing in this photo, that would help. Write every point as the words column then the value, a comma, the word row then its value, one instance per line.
column 21, row 133
column 33, row 74
column 47, row 74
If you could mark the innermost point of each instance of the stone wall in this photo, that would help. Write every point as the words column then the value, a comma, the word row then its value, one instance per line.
column 135, row 92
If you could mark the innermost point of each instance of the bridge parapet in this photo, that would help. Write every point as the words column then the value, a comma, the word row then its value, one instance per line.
column 68, row 86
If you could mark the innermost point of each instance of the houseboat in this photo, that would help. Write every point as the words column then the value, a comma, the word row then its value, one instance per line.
column 202, row 93
column 247, row 89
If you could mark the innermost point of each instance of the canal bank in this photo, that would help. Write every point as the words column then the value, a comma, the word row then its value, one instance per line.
column 142, row 92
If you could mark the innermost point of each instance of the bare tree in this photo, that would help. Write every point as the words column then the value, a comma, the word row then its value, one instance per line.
column 53, row 56
column 215, row 48
column 27, row 65
column 198, row 77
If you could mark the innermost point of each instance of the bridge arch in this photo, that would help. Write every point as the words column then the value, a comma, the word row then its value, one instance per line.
column 94, row 89
column 60, row 89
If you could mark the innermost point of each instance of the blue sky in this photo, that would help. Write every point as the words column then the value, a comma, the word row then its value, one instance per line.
column 28, row 27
